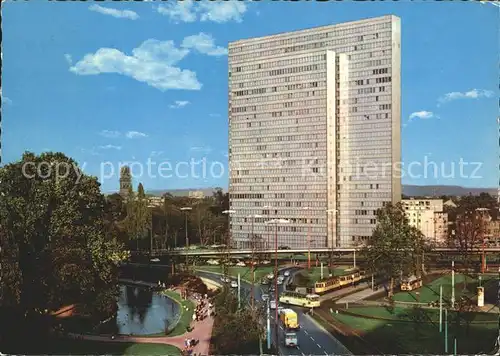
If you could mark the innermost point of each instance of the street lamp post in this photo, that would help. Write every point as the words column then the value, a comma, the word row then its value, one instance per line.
column 228, row 239
column 186, row 209
column 252, row 242
column 334, row 214
column 276, row 299
column 308, row 239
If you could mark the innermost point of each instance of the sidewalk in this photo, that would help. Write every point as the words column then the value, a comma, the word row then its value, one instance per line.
column 358, row 296
column 202, row 331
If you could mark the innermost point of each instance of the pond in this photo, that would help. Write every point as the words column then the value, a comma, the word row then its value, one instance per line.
column 143, row 312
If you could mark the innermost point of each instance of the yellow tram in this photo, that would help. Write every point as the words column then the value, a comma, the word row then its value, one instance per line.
column 348, row 277
column 411, row 283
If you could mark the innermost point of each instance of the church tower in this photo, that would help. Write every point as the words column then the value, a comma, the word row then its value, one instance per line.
column 125, row 181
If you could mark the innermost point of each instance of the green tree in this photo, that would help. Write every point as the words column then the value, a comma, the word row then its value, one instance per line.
column 142, row 213
column 131, row 219
column 236, row 331
column 395, row 248
column 53, row 218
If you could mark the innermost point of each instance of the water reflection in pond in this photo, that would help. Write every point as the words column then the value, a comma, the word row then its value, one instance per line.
column 142, row 312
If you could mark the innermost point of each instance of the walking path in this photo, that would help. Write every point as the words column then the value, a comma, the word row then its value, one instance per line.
column 202, row 331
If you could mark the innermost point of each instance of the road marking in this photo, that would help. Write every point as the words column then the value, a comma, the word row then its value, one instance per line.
column 305, row 331
column 319, row 345
column 312, row 338
column 326, row 353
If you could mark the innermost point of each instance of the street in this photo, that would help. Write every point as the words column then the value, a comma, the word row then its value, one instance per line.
column 312, row 338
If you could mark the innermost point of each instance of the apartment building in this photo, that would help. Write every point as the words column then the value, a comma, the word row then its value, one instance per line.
column 314, row 133
column 428, row 216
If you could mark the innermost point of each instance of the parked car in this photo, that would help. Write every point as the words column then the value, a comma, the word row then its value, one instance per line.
column 265, row 297
column 287, row 273
column 241, row 264
column 234, row 284
column 225, row 279
column 270, row 276
column 272, row 304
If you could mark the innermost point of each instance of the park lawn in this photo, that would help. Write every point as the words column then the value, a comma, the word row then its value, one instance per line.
column 245, row 273
column 91, row 347
column 398, row 337
column 430, row 291
column 187, row 310
column 315, row 273
column 401, row 314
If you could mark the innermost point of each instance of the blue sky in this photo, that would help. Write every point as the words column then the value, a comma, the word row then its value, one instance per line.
column 102, row 83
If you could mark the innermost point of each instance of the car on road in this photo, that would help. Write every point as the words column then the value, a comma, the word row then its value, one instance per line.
column 266, row 262
column 265, row 282
column 213, row 262
column 270, row 276
column 280, row 281
column 265, row 297
column 272, row 288
column 272, row 304
column 241, row 264
column 225, row 279
column 234, row 284
column 287, row 274
column 155, row 260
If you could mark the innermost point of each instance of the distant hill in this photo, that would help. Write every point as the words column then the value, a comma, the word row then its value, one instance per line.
column 438, row 190
column 182, row 192
column 409, row 190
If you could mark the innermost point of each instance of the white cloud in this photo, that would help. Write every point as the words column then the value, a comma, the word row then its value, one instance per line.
column 201, row 149
column 110, row 147
column 68, row 58
column 222, row 11
column 135, row 134
column 204, row 44
column 110, row 134
column 179, row 104
column 189, row 11
column 153, row 62
column 180, row 11
column 122, row 14
column 422, row 115
column 6, row 100
column 471, row 94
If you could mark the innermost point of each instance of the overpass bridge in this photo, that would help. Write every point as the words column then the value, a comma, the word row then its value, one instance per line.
column 208, row 253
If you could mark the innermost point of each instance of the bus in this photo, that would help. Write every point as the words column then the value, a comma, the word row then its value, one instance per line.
column 299, row 299
column 348, row 277
column 411, row 283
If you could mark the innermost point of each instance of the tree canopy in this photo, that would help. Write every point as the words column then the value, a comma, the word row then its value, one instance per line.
column 395, row 248
column 54, row 242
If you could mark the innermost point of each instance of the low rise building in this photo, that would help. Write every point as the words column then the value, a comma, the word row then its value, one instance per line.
column 428, row 216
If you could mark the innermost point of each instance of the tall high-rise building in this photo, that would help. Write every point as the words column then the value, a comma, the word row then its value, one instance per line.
column 314, row 133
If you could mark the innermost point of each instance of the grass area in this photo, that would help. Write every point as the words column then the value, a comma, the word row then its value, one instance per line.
column 90, row 347
column 430, row 291
column 245, row 273
column 401, row 313
column 186, row 317
column 314, row 274
column 399, row 337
